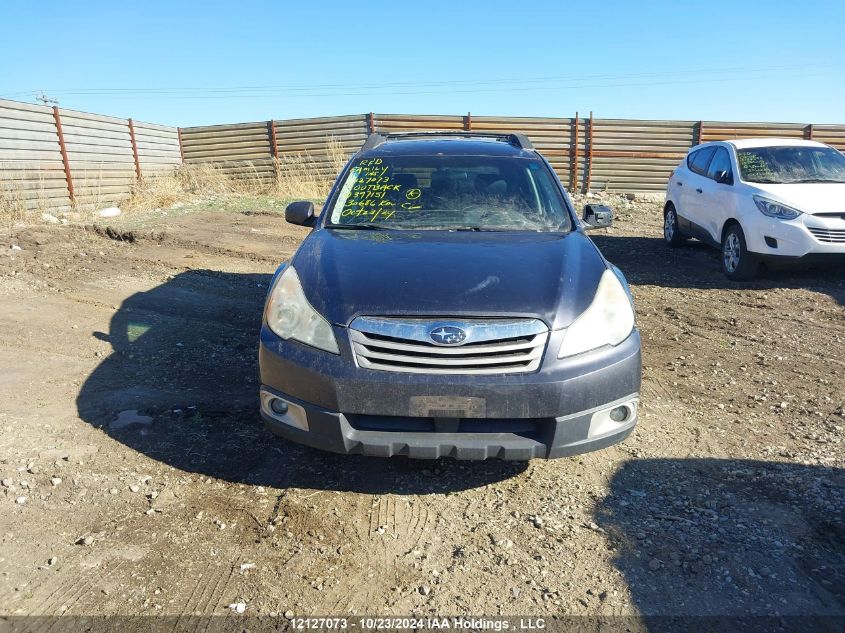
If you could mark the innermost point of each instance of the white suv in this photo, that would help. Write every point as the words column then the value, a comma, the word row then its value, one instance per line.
column 758, row 199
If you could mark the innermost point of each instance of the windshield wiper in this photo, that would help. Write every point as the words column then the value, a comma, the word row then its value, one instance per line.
column 361, row 227
column 804, row 180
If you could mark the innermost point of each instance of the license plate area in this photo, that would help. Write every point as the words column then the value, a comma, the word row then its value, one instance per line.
column 448, row 407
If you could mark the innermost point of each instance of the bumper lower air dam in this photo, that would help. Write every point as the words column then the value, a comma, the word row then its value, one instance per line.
column 549, row 438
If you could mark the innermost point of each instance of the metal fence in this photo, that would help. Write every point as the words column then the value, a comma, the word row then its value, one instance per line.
column 589, row 154
column 56, row 159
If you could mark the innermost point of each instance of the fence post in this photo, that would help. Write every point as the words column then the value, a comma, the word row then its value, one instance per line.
column 134, row 149
column 274, row 144
column 181, row 150
column 468, row 122
column 589, row 153
column 698, row 133
column 371, row 123
column 573, row 156
column 808, row 132
column 274, row 150
column 65, row 162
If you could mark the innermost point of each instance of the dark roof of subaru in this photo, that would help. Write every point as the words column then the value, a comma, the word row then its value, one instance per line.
column 450, row 146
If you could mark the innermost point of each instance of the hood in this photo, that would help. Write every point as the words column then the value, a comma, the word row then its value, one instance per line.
column 809, row 197
column 348, row 273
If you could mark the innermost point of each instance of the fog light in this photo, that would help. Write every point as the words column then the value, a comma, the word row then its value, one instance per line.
column 280, row 406
column 619, row 414
column 614, row 418
column 283, row 411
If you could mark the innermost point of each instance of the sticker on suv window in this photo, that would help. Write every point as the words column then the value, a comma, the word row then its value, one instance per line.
column 377, row 193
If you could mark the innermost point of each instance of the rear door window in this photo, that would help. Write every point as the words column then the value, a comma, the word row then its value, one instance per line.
column 697, row 161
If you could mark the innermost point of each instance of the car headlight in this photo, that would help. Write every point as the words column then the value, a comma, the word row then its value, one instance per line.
column 775, row 209
column 289, row 314
column 608, row 321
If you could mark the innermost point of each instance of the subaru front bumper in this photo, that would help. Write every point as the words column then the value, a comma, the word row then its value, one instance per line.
column 327, row 401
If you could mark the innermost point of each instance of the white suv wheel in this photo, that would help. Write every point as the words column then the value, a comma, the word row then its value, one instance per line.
column 731, row 253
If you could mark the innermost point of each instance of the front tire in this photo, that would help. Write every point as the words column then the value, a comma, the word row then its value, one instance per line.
column 671, row 232
column 738, row 263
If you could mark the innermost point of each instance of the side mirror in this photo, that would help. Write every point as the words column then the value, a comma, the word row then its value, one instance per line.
column 597, row 216
column 301, row 213
column 724, row 178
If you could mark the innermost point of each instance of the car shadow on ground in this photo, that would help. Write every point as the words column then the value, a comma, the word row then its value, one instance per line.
column 722, row 537
column 185, row 354
column 649, row 261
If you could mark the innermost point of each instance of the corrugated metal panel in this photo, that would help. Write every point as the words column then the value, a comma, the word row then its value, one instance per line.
column 248, row 150
column 552, row 137
column 416, row 122
column 31, row 171
column 258, row 170
column 624, row 155
column 831, row 134
column 99, row 151
column 243, row 150
column 637, row 155
column 100, row 155
column 324, row 144
column 722, row 131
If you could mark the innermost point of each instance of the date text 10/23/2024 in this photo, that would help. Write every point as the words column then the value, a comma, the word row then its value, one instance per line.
column 413, row 623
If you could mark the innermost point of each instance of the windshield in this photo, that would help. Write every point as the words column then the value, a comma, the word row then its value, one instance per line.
column 791, row 164
column 483, row 193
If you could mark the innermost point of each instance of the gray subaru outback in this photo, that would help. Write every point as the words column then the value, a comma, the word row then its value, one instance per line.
column 448, row 302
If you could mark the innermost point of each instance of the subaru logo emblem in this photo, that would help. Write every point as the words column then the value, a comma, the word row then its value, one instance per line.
column 447, row 335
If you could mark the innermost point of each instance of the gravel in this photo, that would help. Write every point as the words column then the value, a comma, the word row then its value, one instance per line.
column 723, row 501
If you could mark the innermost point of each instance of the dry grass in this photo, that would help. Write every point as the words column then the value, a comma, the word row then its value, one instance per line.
column 12, row 205
column 291, row 176
column 307, row 177
column 184, row 184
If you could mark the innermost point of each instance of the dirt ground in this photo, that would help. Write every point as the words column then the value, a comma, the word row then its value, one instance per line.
column 728, row 499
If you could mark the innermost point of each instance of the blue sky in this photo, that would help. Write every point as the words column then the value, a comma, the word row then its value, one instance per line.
column 195, row 63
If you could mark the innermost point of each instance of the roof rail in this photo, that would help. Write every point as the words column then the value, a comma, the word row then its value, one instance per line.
column 517, row 140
